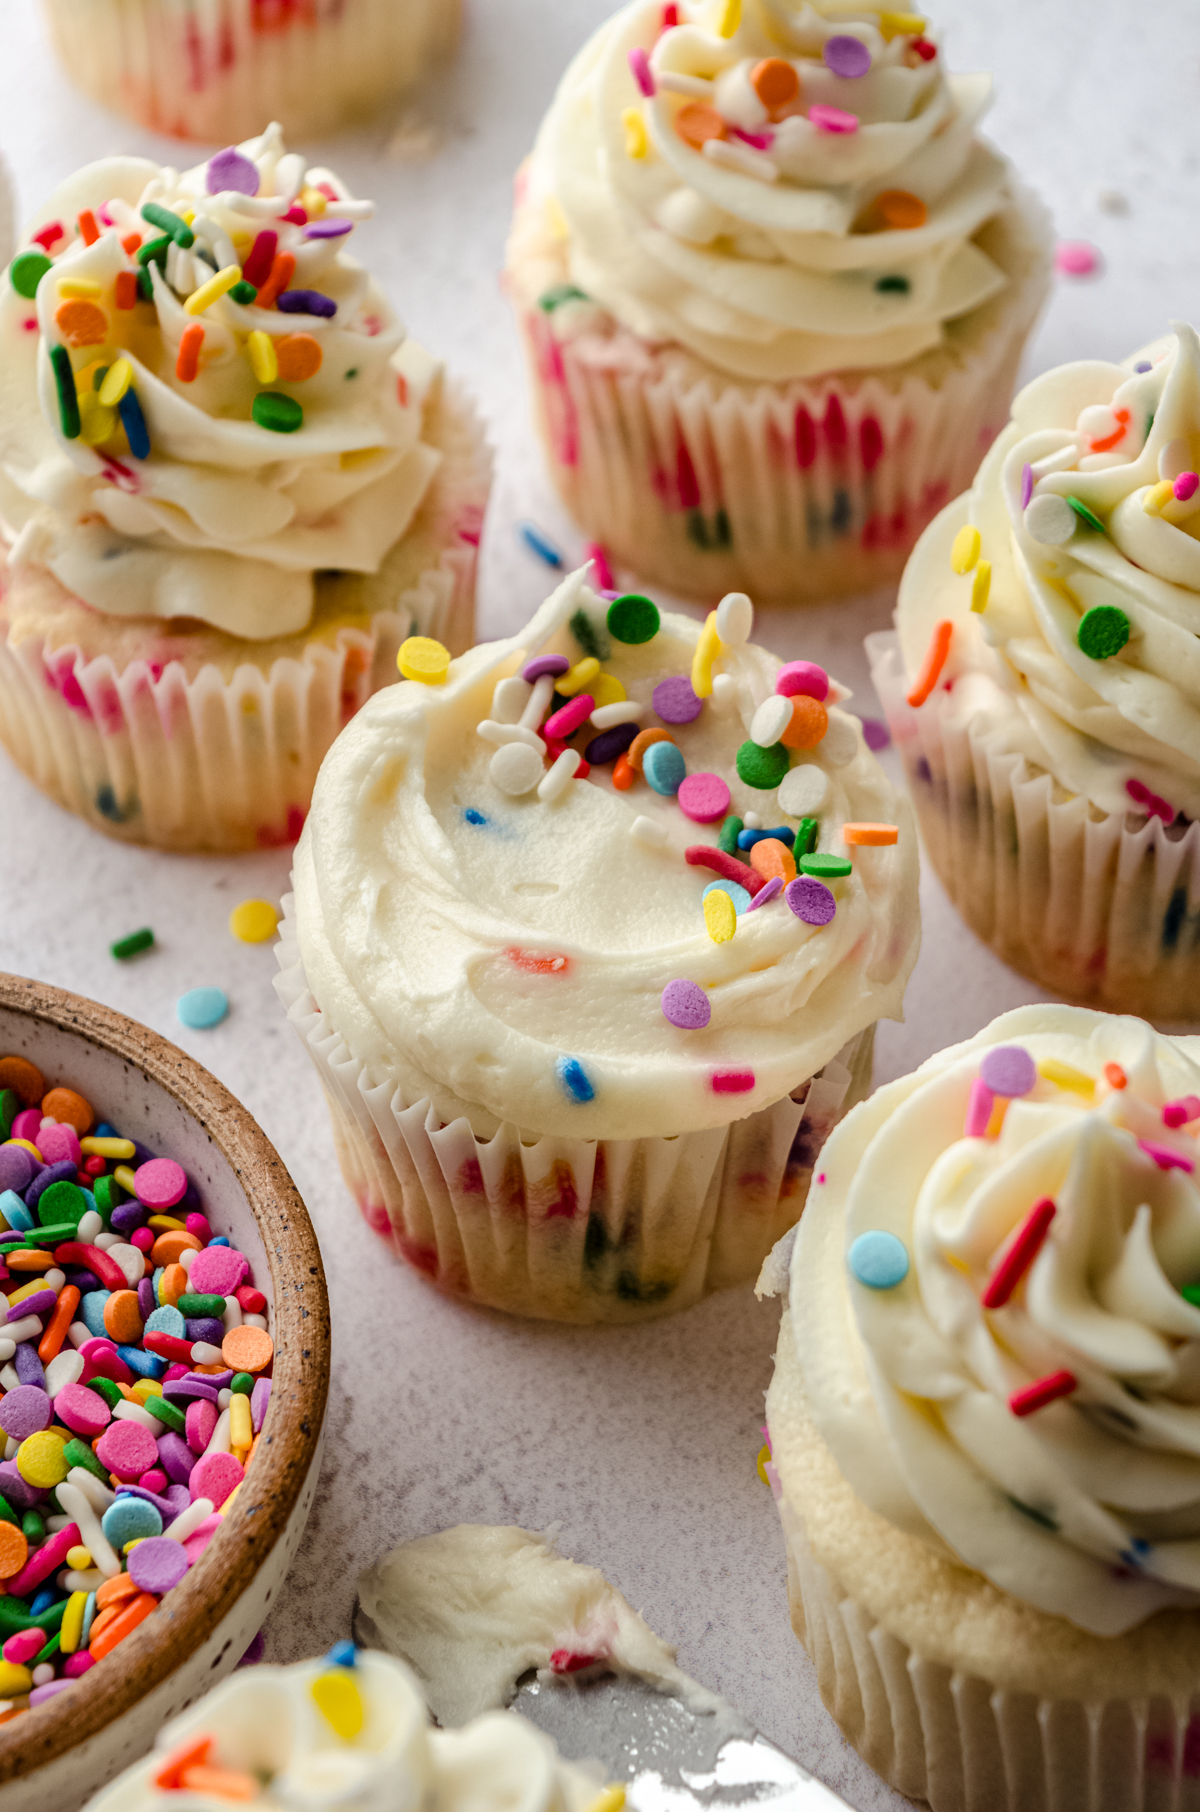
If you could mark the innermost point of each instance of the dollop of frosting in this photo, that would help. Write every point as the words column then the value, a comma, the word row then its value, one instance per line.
column 240, row 447
column 784, row 189
column 994, row 1294
column 478, row 942
column 1088, row 509
column 321, row 1735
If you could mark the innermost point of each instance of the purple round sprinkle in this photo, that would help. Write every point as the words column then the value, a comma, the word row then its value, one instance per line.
column 328, row 229
column 674, row 700
column 1026, row 485
column 1143, row 365
column 28, row 1366
column 306, row 302
column 157, row 1564
column 255, row 1652
column 16, row 1168
column 25, row 1411
column 609, row 744
column 62, row 1172
column 847, row 56
column 230, row 170
column 770, row 890
column 686, row 1005
column 147, row 1302
column 875, row 734
column 205, row 1327
column 1008, row 1070
column 810, row 900
column 175, row 1456
column 545, row 663
column 16, row 1490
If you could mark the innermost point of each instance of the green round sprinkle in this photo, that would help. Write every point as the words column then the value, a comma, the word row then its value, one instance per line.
column 827, row 866
column 243, row 1383
column 1103, row 631
column 243, row 292
column 166, row 1413
column 132, row 945
column 68, row 402
column 731, row 829
column 26, row 272
column 281, row 414
column 895, row 286
column 1086, row 515
column 633, row 619
column 79, row 1453
column 62, row 1202
column 763, row 768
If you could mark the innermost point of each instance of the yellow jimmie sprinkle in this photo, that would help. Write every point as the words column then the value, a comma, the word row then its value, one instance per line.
column 981, row 585
column 166, row 1223
column 117, row 380
column 263, row 362
column 1064, row 1075
column 636, row 142
column 213, row 290
column 965, row 550
column 70, row 288
column 241, row 1429
column 707, row 650
column 612, row 1799
column 729, row 17
column 901, row 25
column 1156, row 496
column 71, row 1628
column 124, row 1177
column 108, row 1148
column 578, row 678
column 764, row 1454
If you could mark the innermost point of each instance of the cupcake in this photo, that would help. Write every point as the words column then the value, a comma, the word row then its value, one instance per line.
column 773, row 288
column 1045, row 686
column 349, row 1731
column 985, row 1420
column 231, row 487
column 214, row 73
column 587, row 945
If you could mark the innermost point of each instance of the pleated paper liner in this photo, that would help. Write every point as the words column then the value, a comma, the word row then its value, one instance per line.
column 1101, row 907
column 792, row 492
column 611, row 1230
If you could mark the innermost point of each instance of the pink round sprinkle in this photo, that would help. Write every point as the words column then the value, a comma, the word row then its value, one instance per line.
column 158, row 1564
column 675, row 702
column 703, row 798
column 1186, row 485
column 732, row 1082
column 770, row 890
column 847, row 57
column 83, row 1410
column 142, row 1238
column 61, row 1141
column 554, row 664
column 643, row 75
column 217, row 1271
column 76, row 1665
column 27, row 1125
column 686, row 1005
column 1076, row 258
column 230, row 170
column 213, row 1477
column 832, row 119
column 127, row 1449
column 23, row 1646
column 160, row 1183
column 155, row 1480
column 1009, row 1070
column 810, row 900
column 200, row 1419
column 802, row 677
column 198, row 1226
column 25, row 1411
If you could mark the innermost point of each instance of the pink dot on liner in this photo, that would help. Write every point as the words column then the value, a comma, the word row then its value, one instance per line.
column 821, row 1178
column 160, row 1183
column 703, row 798
column 832, row 119
column 1076, row 258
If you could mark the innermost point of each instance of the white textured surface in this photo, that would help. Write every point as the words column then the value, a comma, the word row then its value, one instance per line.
column 640, row 1444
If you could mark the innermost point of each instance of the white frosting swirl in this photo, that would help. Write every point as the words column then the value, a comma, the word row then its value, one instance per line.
column 225, row 521
column 467, row 944
column 1118, row 728
column 768, row 255
column 1087, row 1508
column 268, row 1729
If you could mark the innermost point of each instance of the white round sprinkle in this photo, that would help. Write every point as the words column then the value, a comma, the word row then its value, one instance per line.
column 625, row 711
column 770, row 721
column 752, row 821
column 1050, row 519
column 558, row 779
column 510, row 699
column 804, row 790
column 645, row 830
column 839, row 745
column 735, row 619
column 724, row 691
column 90, row 1225
column 516, row 768
column 499, row 734
column 65, row 1368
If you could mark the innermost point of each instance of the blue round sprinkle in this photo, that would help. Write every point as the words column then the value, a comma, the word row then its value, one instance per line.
column 166, row 1320
column 574, row 1079
column 879, row 1260
column 664, row 768
column 342, row 1654
column 738, row 894
column 474, row 817
column 200, row 1008
column 130, row 1519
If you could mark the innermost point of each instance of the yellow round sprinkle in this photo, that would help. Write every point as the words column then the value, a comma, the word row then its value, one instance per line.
column 26, row 1145
column 982, row 585
column 263, row 362
column 71, row 1628
column 720, row 916
column 606, row 690
column 965, row 551
column 146, row 1387
column 612, row 1799
column 41, row 1462
column 636, row 142
column 313, row 202
column 79, row 1558
column 421, row 658
column 338, row 1698
column 729, row 17
column 764, row 1454
column 578, row 678
column 116, row 382
column 96, row 423
column 254, row 921
column 707, row 650
column 14, row 1680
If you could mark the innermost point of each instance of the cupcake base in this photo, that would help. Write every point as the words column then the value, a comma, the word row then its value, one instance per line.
column 793, row 492
column 1100, row 907
column 573, row 1230
column 173, row 734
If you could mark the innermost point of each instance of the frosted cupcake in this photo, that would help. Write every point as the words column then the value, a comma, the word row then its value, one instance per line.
column 349, row 1731
column 985, row 1420
column 1045, row 689
column 231, row 488
column 216, row 73
column 587, row 944
column 773, row 287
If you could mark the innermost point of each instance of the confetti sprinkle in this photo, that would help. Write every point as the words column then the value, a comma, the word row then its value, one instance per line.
column 878, row 1260
column 202, row 1008
column 1076, row 258
column 133, row 945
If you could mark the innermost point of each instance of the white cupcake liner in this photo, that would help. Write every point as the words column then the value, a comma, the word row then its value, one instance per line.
column 792, row 492
column 610, row 1230
column 218, row 70
column 963, row 1744
column 1102, row 907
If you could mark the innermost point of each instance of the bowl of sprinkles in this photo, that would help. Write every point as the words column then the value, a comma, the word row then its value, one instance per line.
column 163, row 1374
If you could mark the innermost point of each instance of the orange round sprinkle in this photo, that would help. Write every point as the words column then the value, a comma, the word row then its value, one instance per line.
column 775, row 82
column 114, row 1590
column 873, row 836
column 174, row 1284
column 897, row 208
column 641, row 743
column 81, row 323
column 624, row 774
column 168, row 1246
column 30, row 1261
column 771, row 857
column 697, row 123
column 14, row 1550
column 24, row 1078
column 247, row 1349
column 65, row 1104
column 122, row 1317
column 299, row 356
column 1115, row 1076
column 810, row 721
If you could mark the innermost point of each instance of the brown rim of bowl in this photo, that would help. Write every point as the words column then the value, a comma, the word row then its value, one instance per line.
column 301, row 1381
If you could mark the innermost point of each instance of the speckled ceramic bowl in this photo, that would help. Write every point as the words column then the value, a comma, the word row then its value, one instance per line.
column 54, row 1757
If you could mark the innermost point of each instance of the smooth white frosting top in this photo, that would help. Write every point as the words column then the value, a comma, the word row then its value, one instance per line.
column 1088, row 1508
column 773, row 279
column 225, row 521
column 1107, row 436
column 425, row 895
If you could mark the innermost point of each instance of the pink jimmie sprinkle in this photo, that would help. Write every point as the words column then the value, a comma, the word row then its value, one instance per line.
column 564, row 1661
column 1140, row 793
column 760, row 141
column 1164, row 1157
column 1026, row 485
column 1186, row 486
column 1178, row 1113
column 599, row 559
column 979, row 1109
column 1042, row 1391
column 643, row 75
column 832, row 119
column 1076, row 258
column 732, row 1082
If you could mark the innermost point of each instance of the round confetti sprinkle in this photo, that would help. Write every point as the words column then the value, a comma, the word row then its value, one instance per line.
column 298, row 356
column 762, row 768
column 900, row 210
column 632, row 618
column 847, row 57
column 686, row 1005
column 1008, row 1070
column 720, row 915
column 878, row 1260
column 769, row 722
column 735, row 612
column 875, row 734
column 159, row 1183
column 675, row 702
column 696, row 123
column 664, row 768
column 254, row 921
column 824, row 863
column 1076, row 258
column 231, row 170
column 1103, row 631
column 737, row 893
column 26, row 272
column 1186, row 486
column 807, row 725
column 553, row 664
column 802, row 677
column 516, row 769
column 804, row 790
column 574, row 1079
column 281, row 414
column 776, row 83
column 769, row 890
column 703, row 798
column 1050, row 520
column 201, row 1008
column 810, row 900
column 157, row 1564
column 421, row 658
